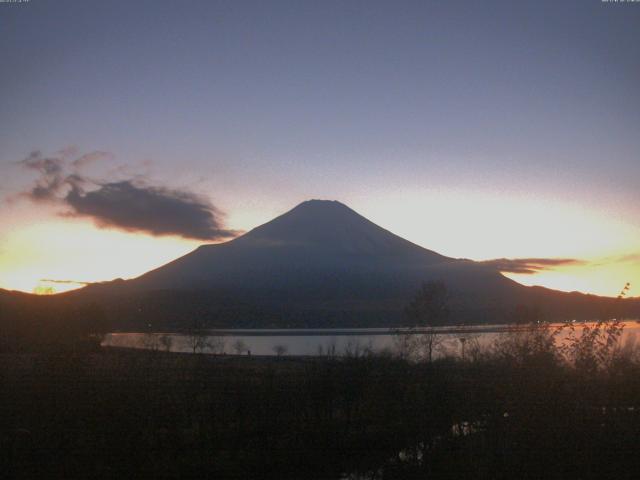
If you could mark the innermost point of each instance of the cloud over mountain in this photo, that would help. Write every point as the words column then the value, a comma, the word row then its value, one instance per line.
column 529, row 266
column 129, row 204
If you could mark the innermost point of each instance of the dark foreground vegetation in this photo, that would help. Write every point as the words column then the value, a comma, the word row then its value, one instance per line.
column 522, row 409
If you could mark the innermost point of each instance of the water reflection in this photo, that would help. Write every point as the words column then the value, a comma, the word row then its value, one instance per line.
column 437, row 342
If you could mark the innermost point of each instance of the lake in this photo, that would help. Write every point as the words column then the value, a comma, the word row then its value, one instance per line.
column 338, row 341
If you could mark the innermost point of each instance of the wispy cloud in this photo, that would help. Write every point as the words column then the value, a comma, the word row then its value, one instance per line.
column 630, row 258
column 65, row 282
column 130, row 204
column 529, row 266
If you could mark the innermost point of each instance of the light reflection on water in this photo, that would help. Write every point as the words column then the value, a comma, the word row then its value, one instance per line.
column 265, row 342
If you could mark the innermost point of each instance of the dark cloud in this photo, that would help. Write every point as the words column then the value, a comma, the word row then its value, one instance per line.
column 52, row 176
column 155, row 210
column 529, row 266
column 130, row 204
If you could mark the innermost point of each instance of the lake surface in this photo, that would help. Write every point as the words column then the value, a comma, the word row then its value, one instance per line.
column 339, row 342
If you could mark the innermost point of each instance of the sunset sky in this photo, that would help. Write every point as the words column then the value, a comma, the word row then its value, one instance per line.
column 132, row 132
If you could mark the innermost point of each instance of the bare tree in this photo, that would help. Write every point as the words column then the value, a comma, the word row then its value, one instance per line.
column 239, row 346
column 427, row 344
column 197, row 337
column 150, row 341
column 166, row 341
column 404, row 344
column 463, row 342
column 429, row 307
column 355, row 349
column 280, row 350
column 216, row 344
column 331, row 347
column 474, row 350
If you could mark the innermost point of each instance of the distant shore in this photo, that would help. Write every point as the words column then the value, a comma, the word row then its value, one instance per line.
column 444, row 330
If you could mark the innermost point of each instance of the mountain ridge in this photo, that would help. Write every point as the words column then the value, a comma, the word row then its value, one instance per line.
column 320, row 264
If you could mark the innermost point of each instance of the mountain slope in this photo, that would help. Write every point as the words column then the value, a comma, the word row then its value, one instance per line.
column 316, row 237
column 319, row 265
column 321, row 251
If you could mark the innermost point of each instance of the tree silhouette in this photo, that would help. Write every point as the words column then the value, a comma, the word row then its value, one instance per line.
column 239, row 346
column 428, row 308
column 166, row 341
column 280, row 350
column 197, row 336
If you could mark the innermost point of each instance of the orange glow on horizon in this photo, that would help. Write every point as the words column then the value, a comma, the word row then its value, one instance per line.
column 607, row 279
column 51, row 255
column 479, row 226
column 59, row 256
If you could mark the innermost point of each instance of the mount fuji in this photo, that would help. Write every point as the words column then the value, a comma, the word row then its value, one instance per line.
column 320, row 265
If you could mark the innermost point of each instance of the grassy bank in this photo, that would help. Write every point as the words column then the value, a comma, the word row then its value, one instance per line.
column 519, row 411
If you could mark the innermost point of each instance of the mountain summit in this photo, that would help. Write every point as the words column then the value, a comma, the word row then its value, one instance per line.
column 331, row 226
column 314, row 241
